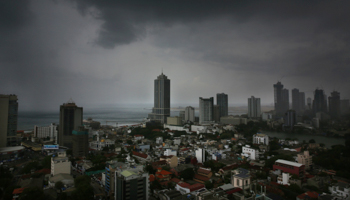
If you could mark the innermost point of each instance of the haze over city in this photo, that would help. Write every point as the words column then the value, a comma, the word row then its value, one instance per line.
column 107, row 52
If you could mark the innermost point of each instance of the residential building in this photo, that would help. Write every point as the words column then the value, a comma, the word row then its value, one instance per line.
column 45, row 132
column 8, row 120
column 189, row 114
column 260, row 139
column 161, row 109
column 169, row 152
column 200, row 155
column 334, row 105
column 254, row 107
column 296, row 100
column 289, row 119
column 142, row 157
column 80, row 142
column 290, row 167
column 131, row 183
column 302, row 101
column 340, row 189
column 110, row 169
column 319, row 103
column 283, row 179
column 250, row 152
column 344, row 106
column 305, row 159
column 177, row 121
column 60, row 164
column 206, row 108
column 71, row 118
column 186, row 188
column 279, row 99
column 222, row 101
column 241, row 178
column 233, row 120
column 216, row 113
column 163, row 175
column 203, row 175
column 182, row 114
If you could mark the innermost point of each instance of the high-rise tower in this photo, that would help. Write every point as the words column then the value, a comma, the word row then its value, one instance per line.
column 334, row 104
column 319, row 103
column 206, row 109
column 161, row 109
column 281, row 99
column 222, row 101
column 8, row 120
column 254, row 107
column 71, row 117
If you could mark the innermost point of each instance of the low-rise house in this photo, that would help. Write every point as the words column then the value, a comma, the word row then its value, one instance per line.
column 203, row 175
column 309, row 195
column 241, row 178
column 139, row 137
column 142, row 157
column 186, row 188
column 341, row 190
column 305, row 159
column 162, row 175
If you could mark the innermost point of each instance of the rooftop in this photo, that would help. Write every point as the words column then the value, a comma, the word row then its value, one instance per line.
column 286, row 162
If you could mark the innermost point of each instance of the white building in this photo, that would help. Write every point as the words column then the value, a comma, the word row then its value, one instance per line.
column 176, row 128
column 283, row 179
column 260, row 139
column 266, row 116
column 341, row 189
column 200, row 155
column 177, row 141
column 46, row 132
column 254, row 107
column 100, row 144
column 206, row 109
column 241, row 178
column 159, row 140
column 60, row 164
column 249, row 152
column 305, row 159
column 189, row 114
column 170, row 152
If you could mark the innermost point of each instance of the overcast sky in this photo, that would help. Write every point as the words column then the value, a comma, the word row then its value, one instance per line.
column 109, row 52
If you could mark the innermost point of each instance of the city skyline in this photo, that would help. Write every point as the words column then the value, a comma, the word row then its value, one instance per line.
column 52, row 51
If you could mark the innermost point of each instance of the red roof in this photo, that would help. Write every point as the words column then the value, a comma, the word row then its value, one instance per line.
column 175, row 180
column 313, row 195
column 151, row 178
column 203, row 171
column 44, row 171
column 195, row 187
column 156, row 130
column 200, row 177
column 18, row 190
column 184, row 149
column 184, row 184
column 142, row 155
column 234, row 190
column 163, row 172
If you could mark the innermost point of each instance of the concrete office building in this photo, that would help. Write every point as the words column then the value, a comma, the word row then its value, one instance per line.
column 206, row 109
column 8, row 120
column 161, row 109
column 334, row 104
column 80, row 142
column 46, row 132
column 309, row 103
column 189, row 114
column 289, row 119
column 200, row 155
column 60, row 164
column 222, row 101
column 281, row 99
column 344, row 106
column 302, row 101
column 254, row 107
column 319, row 103
column 131, row 183
column 182, row 114
column 233, row 120
column 216, row 113
column 71, row 118
column 177, row 121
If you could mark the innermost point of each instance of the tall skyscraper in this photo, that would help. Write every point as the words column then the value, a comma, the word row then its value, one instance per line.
column 254, row 107
column 302, row 101
column 80, row 140
column 161, row 109
column 189, row 114
column 206, row 108
column 289, row 119
column 222, row 101
column 71, row 118
column 344, row 106
column 295, row 100
column 309, row 103
column 319, row 103
column 281, row 99
column 334, row 104
column 216, row 113
column 8, row 120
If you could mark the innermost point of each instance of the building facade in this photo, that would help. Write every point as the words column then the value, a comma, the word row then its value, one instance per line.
column 206, row 109
column 290, row 167
column 80, row 142
column 161, row 109
column 8, row 120
column 60, row 164
column 334, row 104
column 46, row 132
column 189, row 114
column 71, row 118
column 200, row 155
column 305, row 159
column 222, row 101
column 260, row 139
column 319, row 103
column 177, row 121
column 281, row 99
column 254, row 107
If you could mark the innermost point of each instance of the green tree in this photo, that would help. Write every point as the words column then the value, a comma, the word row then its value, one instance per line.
column 32, row 193
column 208, row 185
column 46, row 162
column 59, row 185
column 82, row 180
column 84, row 191
column 187, row 174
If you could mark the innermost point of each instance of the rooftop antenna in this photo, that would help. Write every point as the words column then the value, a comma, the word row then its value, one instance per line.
column 70, row 100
